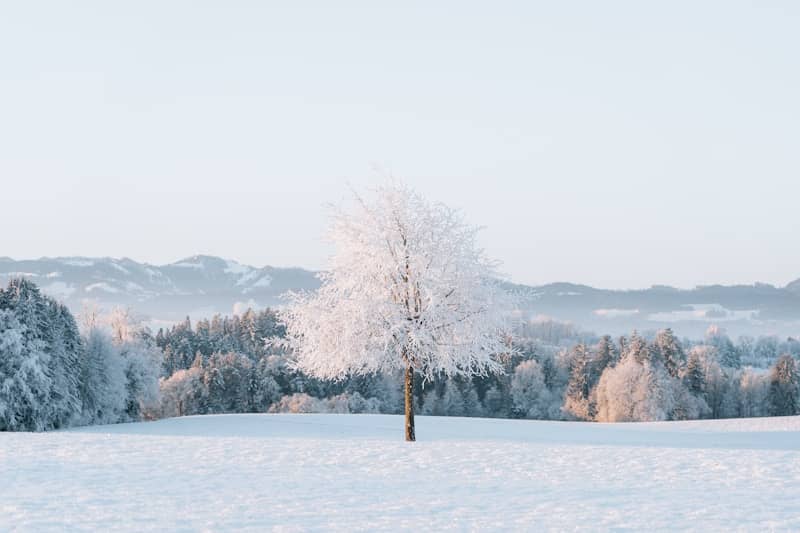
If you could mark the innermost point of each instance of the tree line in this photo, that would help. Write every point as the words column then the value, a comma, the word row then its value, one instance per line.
column 556, row 372
column 54, row 374
column 53, row 377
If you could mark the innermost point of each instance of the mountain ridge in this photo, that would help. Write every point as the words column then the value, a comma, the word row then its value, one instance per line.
column 201, row 285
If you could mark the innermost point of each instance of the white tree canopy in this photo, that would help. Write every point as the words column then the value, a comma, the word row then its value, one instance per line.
column 407, row 286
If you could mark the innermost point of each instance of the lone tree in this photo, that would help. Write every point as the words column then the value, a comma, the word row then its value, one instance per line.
column 407, row 289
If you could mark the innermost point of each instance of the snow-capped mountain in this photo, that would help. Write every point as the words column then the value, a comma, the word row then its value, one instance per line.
column 794, row 286
column 195, row 286
column 758, row 309
column 202, row 285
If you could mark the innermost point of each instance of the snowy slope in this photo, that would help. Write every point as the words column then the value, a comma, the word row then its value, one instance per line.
column 352, row 472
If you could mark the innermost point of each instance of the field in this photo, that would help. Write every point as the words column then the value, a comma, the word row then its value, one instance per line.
column 353, row 472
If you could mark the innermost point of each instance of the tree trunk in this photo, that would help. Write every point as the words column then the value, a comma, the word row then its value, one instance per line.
column 410, row 436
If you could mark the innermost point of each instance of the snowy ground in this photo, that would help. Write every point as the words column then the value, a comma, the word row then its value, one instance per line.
column 352, row 472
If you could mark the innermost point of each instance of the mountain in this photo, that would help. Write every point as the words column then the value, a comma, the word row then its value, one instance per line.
column 197, row 286
column 794, row 286
column 202, row 285
column 758, row 309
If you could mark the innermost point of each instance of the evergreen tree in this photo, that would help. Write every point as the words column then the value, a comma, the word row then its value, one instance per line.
column 604, row 356
column 668, row 350
column 727, row 354
column 103, row 382
column 637, row 348
column 25, row 381
column 496, row 403
column 49, row 336
column 693, row 375
column 784, row 387
column 576, row 400
column 529, row 395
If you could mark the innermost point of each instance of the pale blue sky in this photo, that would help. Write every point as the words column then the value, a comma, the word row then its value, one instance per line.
column 619, row 144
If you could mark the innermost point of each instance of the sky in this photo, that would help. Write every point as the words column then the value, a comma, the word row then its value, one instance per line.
column 617, row 144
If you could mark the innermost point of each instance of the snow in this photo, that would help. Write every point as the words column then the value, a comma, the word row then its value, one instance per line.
column 102, row 286
column 705, row 312
column 59, row 289
column 20, row 275
column 232, row 267
column 263, row 281
column 77, row 262
column 354, row 472
column 408, row 289
column 185, row 264
column 616, row 313
column 246, row 275
column 133, row 287
column 153, row 273
column 247, row 278
column 119, row 267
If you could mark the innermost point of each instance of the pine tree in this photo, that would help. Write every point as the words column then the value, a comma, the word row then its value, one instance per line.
column 604, row 356
column 530, row 396
column 784, row 387
column 495, row 403
column 102, row 383
column 668, row 350
column 637, row 348
column 694, row 375
column 25, row 381
column 576, row 400
column 452, row 401
column 728, row 355
column 49, row 336
column 66, row 352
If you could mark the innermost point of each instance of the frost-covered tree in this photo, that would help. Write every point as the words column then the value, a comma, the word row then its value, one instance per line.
column 228, row 380
column 727, row 354
column 298, row 402
column 784, row 387
column 753, row 394
column 718, row 384
column 407, row 289
column 49, row 328
column 25, row 381
column 694, row 376
column 634, row 391
column 637, row 348
column 577, row 398
column 183, row 393
column 496, row 403
column 264, row 389
column 791, row 346
column 766, row 350
column 143, row 362
column 452, row 398
column 668, row 350
column 103, row 383
column 65, row 354
column 530, row 396
column 604, row 356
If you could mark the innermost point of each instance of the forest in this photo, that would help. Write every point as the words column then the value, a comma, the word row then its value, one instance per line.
column 56, row 371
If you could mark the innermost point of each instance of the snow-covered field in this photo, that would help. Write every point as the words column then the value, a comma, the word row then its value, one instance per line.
column 353, row 472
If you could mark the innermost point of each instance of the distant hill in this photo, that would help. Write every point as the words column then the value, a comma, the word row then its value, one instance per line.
column 196, row 286
column 203, row 285
column 794, row 286
column 741, row 309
